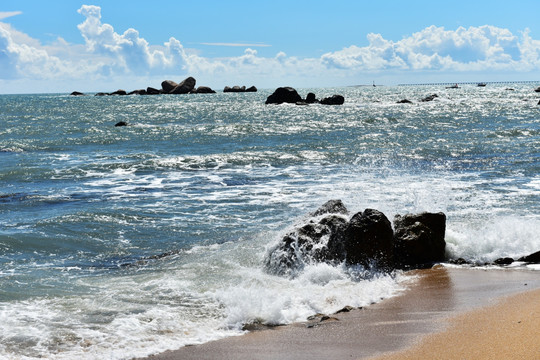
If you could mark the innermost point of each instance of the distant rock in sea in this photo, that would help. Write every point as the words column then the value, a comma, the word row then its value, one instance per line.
column 404, row 101
column 537, row 89
column 284, row 95
column 333, row 100
column 186, row 86
column 76, row 93
column 121, row 123
column 236, row 89
column 429, row 98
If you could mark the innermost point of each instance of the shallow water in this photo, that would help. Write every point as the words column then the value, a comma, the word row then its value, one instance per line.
column 213, row 181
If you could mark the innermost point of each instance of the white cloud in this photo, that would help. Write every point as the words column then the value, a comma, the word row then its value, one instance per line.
column 434, row 48
column 7, row 14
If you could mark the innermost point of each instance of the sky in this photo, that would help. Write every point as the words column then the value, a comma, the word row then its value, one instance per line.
column 67, row 45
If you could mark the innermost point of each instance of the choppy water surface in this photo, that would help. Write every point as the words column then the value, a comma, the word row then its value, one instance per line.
column 87, row 209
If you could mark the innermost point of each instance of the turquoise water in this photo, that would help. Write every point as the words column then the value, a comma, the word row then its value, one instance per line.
column 87, row 209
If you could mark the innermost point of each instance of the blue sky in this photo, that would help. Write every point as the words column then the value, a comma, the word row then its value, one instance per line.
column 102, row 45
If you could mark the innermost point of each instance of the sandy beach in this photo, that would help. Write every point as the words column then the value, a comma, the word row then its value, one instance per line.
column 446, row 313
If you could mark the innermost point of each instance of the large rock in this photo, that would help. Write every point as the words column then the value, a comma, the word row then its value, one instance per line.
column 184, row 87
column 284, row 95
column 251, row 89
column 333, row 100
column 77, row 93
column 419, row 239
column 537, row 89
column 152, row 91
column 119, row 92
column 203, row 90
column 311, row 98
column 369, row 240
column 404, row 101
column 331, row 207
column 137, row 92
column 532, row 258
column 168, row 86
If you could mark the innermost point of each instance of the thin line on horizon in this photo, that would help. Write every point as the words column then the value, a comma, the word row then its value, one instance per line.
column 235, row 44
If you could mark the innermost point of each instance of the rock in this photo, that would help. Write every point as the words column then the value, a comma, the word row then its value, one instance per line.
column 404, row 101
column 101, row 94
column 458, row 261
column 168, row 86
column 533, row 258
column 429, row 98
column 284, row 95
column 537, row 89
column 369, row 240
column 333, row 100
column 504, row 261
column 137, row 92
column 311, row 243
column 184, row 87
column 76, row 93
column 331, row 207
column 538, row 103
column 121, row 123
column 119, row 92
column 510, row 89
column 251, row 89
column 203, row 90
column 419, row 239
column 311, row 98
column 152, row 91
column 346, row 309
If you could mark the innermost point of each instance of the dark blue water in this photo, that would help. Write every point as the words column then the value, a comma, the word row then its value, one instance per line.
column 88, row 209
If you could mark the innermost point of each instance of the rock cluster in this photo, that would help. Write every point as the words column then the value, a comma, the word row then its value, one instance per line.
column 187, row 86
column 290, row 95
column 366, row 239
column 237, row 89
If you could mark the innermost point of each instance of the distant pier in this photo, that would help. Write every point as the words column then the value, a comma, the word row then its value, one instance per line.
column 474, row 83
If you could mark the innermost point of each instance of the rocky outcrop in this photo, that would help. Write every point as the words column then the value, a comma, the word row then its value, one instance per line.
column 404, row 101
column 153, row 91
column 429, row 98
column 284, row 95
column 311, row 98
column 137, row 92
column 121, row 123
column 184, row 87
column 168, row 85
column 533, row 258
column 76, row 93
column 119, row 92
column 366, row 239
column 203, row 90
column 419, row 239
column 537, row 89
column 333, row 100
column 236, row 89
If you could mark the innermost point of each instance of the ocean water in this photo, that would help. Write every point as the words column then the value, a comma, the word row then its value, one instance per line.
column 118, row 242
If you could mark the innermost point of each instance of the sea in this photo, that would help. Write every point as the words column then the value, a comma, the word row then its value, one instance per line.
column 122, row 242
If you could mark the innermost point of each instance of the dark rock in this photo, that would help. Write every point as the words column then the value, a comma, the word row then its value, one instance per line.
column 234, row 89
column 168, row 86
column 203, row 90
column 251, row 89
column 458, row 261
column 533, row 258
column 101, row 94
column 311, row 98
column 311, row 243
column 419, row 239
column 537, row 89
column 538, row 103
column 137, row 92
column 284, row 95
column 369, row 240
column 152, row 91
column 76, row 93
column 184, row 87
column 119, row 92
column 346, row 309
column 404, row 101
column 121, row 123
column 331, row 207
column 333, row 100
column 504, row 261
column 510, row 89
column 227, row 89
column 429, row 98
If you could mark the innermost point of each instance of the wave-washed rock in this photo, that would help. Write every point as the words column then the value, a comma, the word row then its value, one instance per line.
column 366, row 239
column 290, row 95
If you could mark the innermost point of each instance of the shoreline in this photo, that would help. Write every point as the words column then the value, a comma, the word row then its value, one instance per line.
column 395, row 324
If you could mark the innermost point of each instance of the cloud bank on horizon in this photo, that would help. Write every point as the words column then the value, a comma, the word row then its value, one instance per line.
column 108, row 55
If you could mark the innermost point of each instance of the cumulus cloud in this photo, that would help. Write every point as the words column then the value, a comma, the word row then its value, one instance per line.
column 129, row 51
column 435, row 48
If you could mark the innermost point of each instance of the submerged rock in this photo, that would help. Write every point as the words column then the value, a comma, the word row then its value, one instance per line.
column 404, row 101
column 121, row 123
column 333, row 100
column 537, row 89
column 429, row 98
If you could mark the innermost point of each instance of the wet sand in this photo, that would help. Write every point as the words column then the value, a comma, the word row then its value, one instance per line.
column 432, row 304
